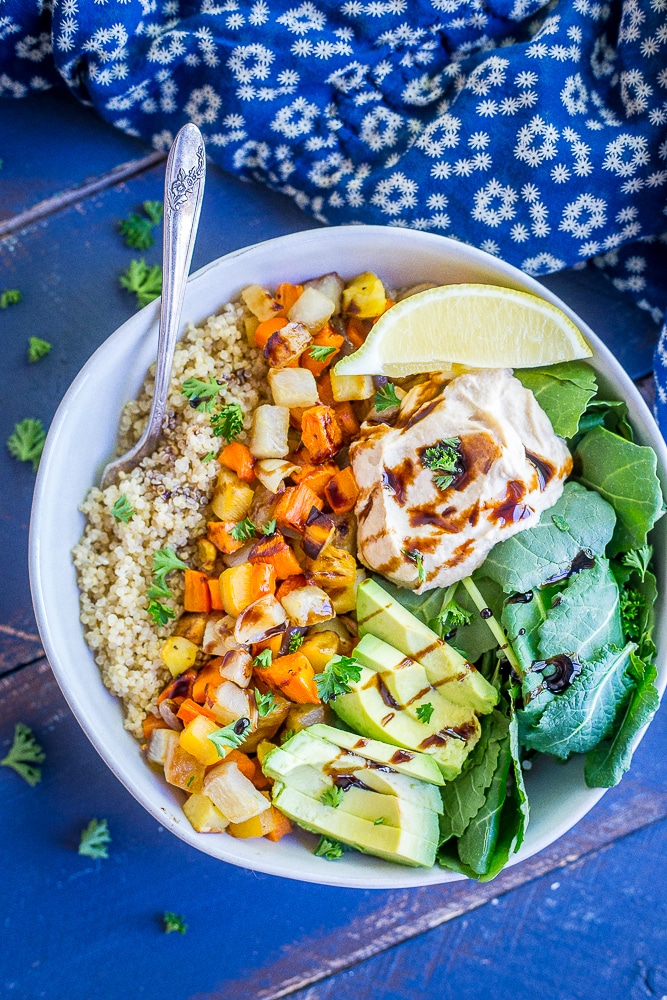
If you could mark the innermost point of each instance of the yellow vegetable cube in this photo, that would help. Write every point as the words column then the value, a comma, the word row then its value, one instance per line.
column 231, row 499
column 351, row 387
column 182, row 769
column 179, row 654
column 319, row 648
column 194, row 740
column 258, row 826
column 206, row 555
column 364, row 296
column 203, row 815
column 234, row 795
column 260, row 303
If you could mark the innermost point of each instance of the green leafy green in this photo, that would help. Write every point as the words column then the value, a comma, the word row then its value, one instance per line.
column 94, row 839
column 10, row 297
column 523, row 621
column 639, row 559
column 443, row 458
column 386, row 397
column 173, row 922
column 165, row 561
column 122, row 509
column 335, row 677
column 534, row 556
column 143, row 281
column 228, row 423
column 332, row 850
column 587, row 616
column 295, row 642
column 477, row 843
column 159, row 612
column 624, row 474
column 26, row 442
column 25, row 754
column 609, row 413
column 563, row 392
column 229, row 737
column 332, row 796
column 37, row 348
column 475, row 638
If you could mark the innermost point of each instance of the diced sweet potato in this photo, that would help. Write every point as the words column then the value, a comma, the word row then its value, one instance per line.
column 275, row 552
column 294, row 507
column 318, row 533
column 321, row 433
column 197, row 596
column 294, row 677
column 315, row 477
column 342, row 491
column 242, row 585
column 182, row 769
column 218, row 535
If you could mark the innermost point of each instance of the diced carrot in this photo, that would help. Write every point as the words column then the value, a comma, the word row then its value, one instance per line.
column 347, row 420
column 276, row 553
column 152, row 722
column 290, row 584
column 237, row 456
column 282, row 826
column 342, row 492
column 243, row 585
column 218, row 533
column 294, row 677
column 321, row 433
column 294, row 506
column 316, row 477
column 273, row 643
column 324, row 390
column 207, row 680
column 245, row 765
column 287, row 295
column 326, row 337
column 214, row 588
column 197, row 596
column 357, row 330
column 267, row 329
column 180, row 687
column 189, row 710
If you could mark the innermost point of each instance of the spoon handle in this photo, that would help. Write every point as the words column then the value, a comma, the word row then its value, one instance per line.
column 183, row 193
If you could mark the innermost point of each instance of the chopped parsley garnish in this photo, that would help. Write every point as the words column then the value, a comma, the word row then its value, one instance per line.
column 453, row 616
column 334, row 678
column 10, row 297
column 229, row 737
column 295, row 642
column 25, row 754
column 633, row 604
column 159, row 612
column 201, row 393
column 639, row 559
column 26, row 442
column 444, row 458
column 265, row 703
column 37, row 348
column 208, row 457
column 143, row 281
column 287, row 735
column 138, row 229
column 386, row 397
column 332, row 850
column 379, row 821
column 164, row 561
column 321, row 353
column 190, row 780
column 122, row 509
column 158, row 590
column 244, row 530
column 263, row 659
column 228, row 423
column 424, row 713
column 417, row 558
column 332, row 796
column 94, row 839
column 269, row 528
column 173, row 922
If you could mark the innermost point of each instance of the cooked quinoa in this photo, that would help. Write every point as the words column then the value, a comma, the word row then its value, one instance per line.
column 169, row 492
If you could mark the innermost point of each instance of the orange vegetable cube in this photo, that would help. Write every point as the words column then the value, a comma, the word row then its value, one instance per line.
column 324, row 389
column 182, row 769
column 208, row 678
column 294, row 677
column 321, row 433
column 282, row 825
column 152, row 722
column 318, row 533
column 326, row 337
column 357, row 330
column 294, row 507
column 290, row 584
column 274, row 551
column 244, row 584
column 267, row 328
column 315, row 477
column 342, row 491
column 214, row 588
column 190, row 709
column 237, row 456
column 244, row 763
column 347, row 420
column 218, row 533
column 273, row 643
column 287, row 294
column 197, row 596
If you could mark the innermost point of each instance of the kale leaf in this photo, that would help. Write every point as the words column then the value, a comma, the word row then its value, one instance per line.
column 587, row 616
column 563, row 391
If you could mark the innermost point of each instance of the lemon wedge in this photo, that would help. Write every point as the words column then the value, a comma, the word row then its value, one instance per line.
column 479, row 326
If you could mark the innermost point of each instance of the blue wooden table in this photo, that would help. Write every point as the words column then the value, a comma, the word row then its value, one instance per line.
column 585, row 919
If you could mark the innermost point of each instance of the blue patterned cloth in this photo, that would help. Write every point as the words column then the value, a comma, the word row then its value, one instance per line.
column 534, row 130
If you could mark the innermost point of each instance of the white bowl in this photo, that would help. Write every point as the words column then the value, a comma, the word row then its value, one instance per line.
column 82, row 437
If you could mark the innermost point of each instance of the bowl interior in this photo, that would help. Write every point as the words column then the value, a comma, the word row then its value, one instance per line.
column 82, row 437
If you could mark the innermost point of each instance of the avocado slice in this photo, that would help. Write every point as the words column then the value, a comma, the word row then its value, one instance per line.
column 381, row 615
column 389, row 842
column 392, row 811
column 414, row 765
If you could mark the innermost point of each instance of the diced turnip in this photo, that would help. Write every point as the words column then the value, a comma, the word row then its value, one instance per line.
column 308, row 606
column 272, row 473
column 204, row 816
column 182, row 769
column 219, row 636
column 260, row 303
column 270, row 427
column 234, row 794
column 260, row 620
column 351, row 387
column 158, row 743
column 228, row 702
column 287, row 344
column 293, row 387
column 312, row 309
column 331, row 285
column 237, row 666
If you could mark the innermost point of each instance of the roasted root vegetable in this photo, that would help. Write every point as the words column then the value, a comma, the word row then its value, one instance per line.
column 197, row 596
column 242, row 585
column 321, row 433
column 231, row 497
column 282, row 827
column 364, row 296
column 264, row 727
column 318, row 533
column 260, row 620
column 194, row 740
column 331, row 285
column 151, row 723
column 204, row 816
column 293, row 387
column 206, row 554
column 236, row 666
column 189, row 710
column 342, row 492
column 245, row 765
column 308, row 606
column 157, row 744
column 266, row 329
column 312, row 309
column 335, row 570
column 347, row 421
column 302, row 716
column 274, row 551
column 272, row 473
column 234, row 795
column 179, row 654
column 228, row 702
column 260, row 303
column 319, row 648
column 315, row 477
column 192, row 627
column 270, row 429
column 236, row 456
column 294, row 677
column 268, row 824
column 182, row 769
column 218, row 535
column 207, row 680
column 214, row 590
column 317, row 361
column 219, row 634
column 287, row 345
column 345, row 536
column 294, row 507
column 287, row 294
column 347, row 387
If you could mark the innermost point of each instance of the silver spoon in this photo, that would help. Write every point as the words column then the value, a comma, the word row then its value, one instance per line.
column 183, row 192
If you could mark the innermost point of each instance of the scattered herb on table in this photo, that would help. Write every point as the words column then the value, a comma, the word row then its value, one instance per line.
column 332, row 796
column 228, row 423
column 329, row 849
column 229, row 737
column 443, row 458
column 122, row 509
column 265, row 703
column 138, row 229
column 201, row 393
column 418, row 559
column 173, row 923
column 143, row 281
column 321, row 353
column 10, row 297
column 243, row 531
column 94, row 839
column 335, row 677
column 424, row 712
column 26, row 442
column 37, row 348
column 263, row 659
column 386, row 397
column 25, row 755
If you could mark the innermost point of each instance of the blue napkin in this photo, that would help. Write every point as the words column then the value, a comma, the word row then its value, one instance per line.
column 534, row 130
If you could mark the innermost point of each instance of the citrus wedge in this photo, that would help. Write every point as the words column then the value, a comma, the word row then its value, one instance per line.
column 479, row 326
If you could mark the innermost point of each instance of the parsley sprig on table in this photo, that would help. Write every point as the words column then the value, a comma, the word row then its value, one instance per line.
column 138, row 229
column 335, row 677
column 122, row 509
column 173, row 922
column 228, row 423
column 37, row 348
column 94, row 839
column 10, row 297
column 386, row 397
column 229, row 737
column 143, row 281
column 26, row 442
column 201, row 393
column 444, row 458
column 25, row 754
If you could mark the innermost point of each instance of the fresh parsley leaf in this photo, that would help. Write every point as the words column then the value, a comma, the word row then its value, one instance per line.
column 639, row 559
column 332, row 796
column 154, row 210
column 424, row 712
column 386, row 397
column 158, row 589
column 122, row 509
column 263, row 659
column 159, row 612
column 244, row 530
column 453, row 616
column 138, row 229
column 443, row 458
column 228, row 423
column 201, row 393
column 286, row 736
column 26, row 442
column 295, row 642
column 563, row 392
column 164, row 562
column 190, row 780
column 319, row 353
column 25, row 754
column 229, row 737
column 173, row 922
column 94, row 839
column 560, row 522
column 208, row 457
column 265, row 703
column 10, row 297
column 335, row 677
column 332, row 850
column 269, row 528
column 632, row 609
column 418, row 559
column 143, row 281
column 37, row 348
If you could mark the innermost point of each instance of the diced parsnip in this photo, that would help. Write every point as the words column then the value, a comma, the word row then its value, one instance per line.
column 206, row 555
column 266, row 726
column 287, row 345
column 260, row 620
column 308, row 606
column 259, row 826
column 243, row 585
column 237, row 666
column 194, row 740
column 272, row 472
column 321, row 433
column 219, row 635
column 342, row 491
column 158, row 743
column 235, row 796
column 179, row 654
column 182, row 769
column 203, row 815
column 351, row 387
column 320, row 647
column 335, row 570
column 250, row 323
column 231, row 500
column 318, row 533
column 364, row 296
column 191, row 626
column 302, row 716
column 312, row 309
column 293, row 387
column 260, row 303
column 331, row 285
column 270, row 427
column 229, row 702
